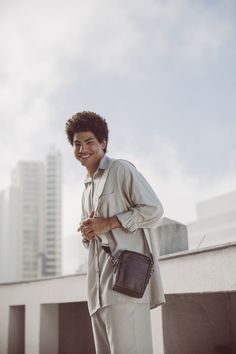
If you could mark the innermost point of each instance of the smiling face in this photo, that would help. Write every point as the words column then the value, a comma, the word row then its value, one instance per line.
column 88, row 150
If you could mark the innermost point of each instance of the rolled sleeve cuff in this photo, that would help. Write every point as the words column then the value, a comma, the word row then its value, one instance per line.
column 127, row 221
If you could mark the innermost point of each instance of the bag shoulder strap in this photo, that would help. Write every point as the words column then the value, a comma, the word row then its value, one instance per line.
column 101, row 184
column 99, row 192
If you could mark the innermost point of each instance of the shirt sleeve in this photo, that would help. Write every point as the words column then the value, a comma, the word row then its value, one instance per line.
column 145, row 207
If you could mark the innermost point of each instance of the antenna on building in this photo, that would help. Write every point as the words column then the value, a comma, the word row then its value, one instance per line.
column 204, row 236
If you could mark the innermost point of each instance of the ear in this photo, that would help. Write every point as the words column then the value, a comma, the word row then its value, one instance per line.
column 104, row 144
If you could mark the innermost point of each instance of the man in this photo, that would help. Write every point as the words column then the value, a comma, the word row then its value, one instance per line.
column 118, row 208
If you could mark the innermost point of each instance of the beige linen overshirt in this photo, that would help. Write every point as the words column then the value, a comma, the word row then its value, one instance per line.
column 124, row 193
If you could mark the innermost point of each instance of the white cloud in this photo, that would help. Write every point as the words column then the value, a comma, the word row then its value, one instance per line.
column 49, row 46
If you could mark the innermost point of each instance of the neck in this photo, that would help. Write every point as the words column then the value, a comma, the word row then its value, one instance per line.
column 92, row 169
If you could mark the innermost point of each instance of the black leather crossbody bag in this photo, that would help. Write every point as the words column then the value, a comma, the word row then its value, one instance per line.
column 131, row 271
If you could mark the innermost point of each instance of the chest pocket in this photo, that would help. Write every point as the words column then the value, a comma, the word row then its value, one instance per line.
column 107, row 196
column 109, row 205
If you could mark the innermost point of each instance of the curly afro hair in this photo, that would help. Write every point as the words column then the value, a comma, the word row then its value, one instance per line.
column 87, row 121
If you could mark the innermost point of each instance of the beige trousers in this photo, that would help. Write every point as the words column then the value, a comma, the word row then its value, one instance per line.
column 123, row 329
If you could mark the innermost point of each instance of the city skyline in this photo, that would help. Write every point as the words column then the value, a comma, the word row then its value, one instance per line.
column 205, row 230
column 31, row 219
column 161, row 73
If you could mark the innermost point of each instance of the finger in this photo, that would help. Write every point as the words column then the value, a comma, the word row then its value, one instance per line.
column 92, row 213
column 86, row 230
column 90, row 235
column 87, row 222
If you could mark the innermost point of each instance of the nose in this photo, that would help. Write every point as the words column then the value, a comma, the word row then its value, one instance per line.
column 82, row 148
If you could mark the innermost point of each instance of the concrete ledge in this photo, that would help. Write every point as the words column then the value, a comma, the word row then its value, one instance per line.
column 43, row 279
column 55, row 290
column 208, row 270
column 196, row 251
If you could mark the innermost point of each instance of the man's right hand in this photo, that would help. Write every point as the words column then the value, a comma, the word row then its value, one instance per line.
column 82, row 229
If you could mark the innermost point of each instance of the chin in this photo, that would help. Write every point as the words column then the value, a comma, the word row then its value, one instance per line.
column 83, row 163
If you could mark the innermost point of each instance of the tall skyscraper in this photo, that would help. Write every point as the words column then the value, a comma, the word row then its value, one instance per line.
column 32, row 211
column 8, row 234
column 53, row 216
column 28, row 179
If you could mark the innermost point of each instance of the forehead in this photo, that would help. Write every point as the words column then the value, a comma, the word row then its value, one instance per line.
column 83, row 136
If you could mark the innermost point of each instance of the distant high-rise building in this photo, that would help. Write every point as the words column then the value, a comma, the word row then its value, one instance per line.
column 8, row 234
column 28, row 179
column 216, row 222
column 51, row 264
column 31, row 213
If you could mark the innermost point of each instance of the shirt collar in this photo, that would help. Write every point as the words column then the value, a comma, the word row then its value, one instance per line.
column 101, row 167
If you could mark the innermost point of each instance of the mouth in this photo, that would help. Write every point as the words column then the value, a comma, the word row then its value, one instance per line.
column 84, row 157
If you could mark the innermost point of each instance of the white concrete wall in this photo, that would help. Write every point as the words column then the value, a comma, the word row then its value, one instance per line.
column 206, row 270
column 202, row 272
column 215, row 230
column 32, row 295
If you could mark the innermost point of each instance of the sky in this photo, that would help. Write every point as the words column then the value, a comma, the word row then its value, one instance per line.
column 162, row 73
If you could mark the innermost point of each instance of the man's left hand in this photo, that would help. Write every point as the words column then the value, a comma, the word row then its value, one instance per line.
column 93, row 227
column 96, row 226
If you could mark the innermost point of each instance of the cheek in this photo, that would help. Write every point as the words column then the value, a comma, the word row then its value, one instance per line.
column 92, row 148
column 76, row 152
